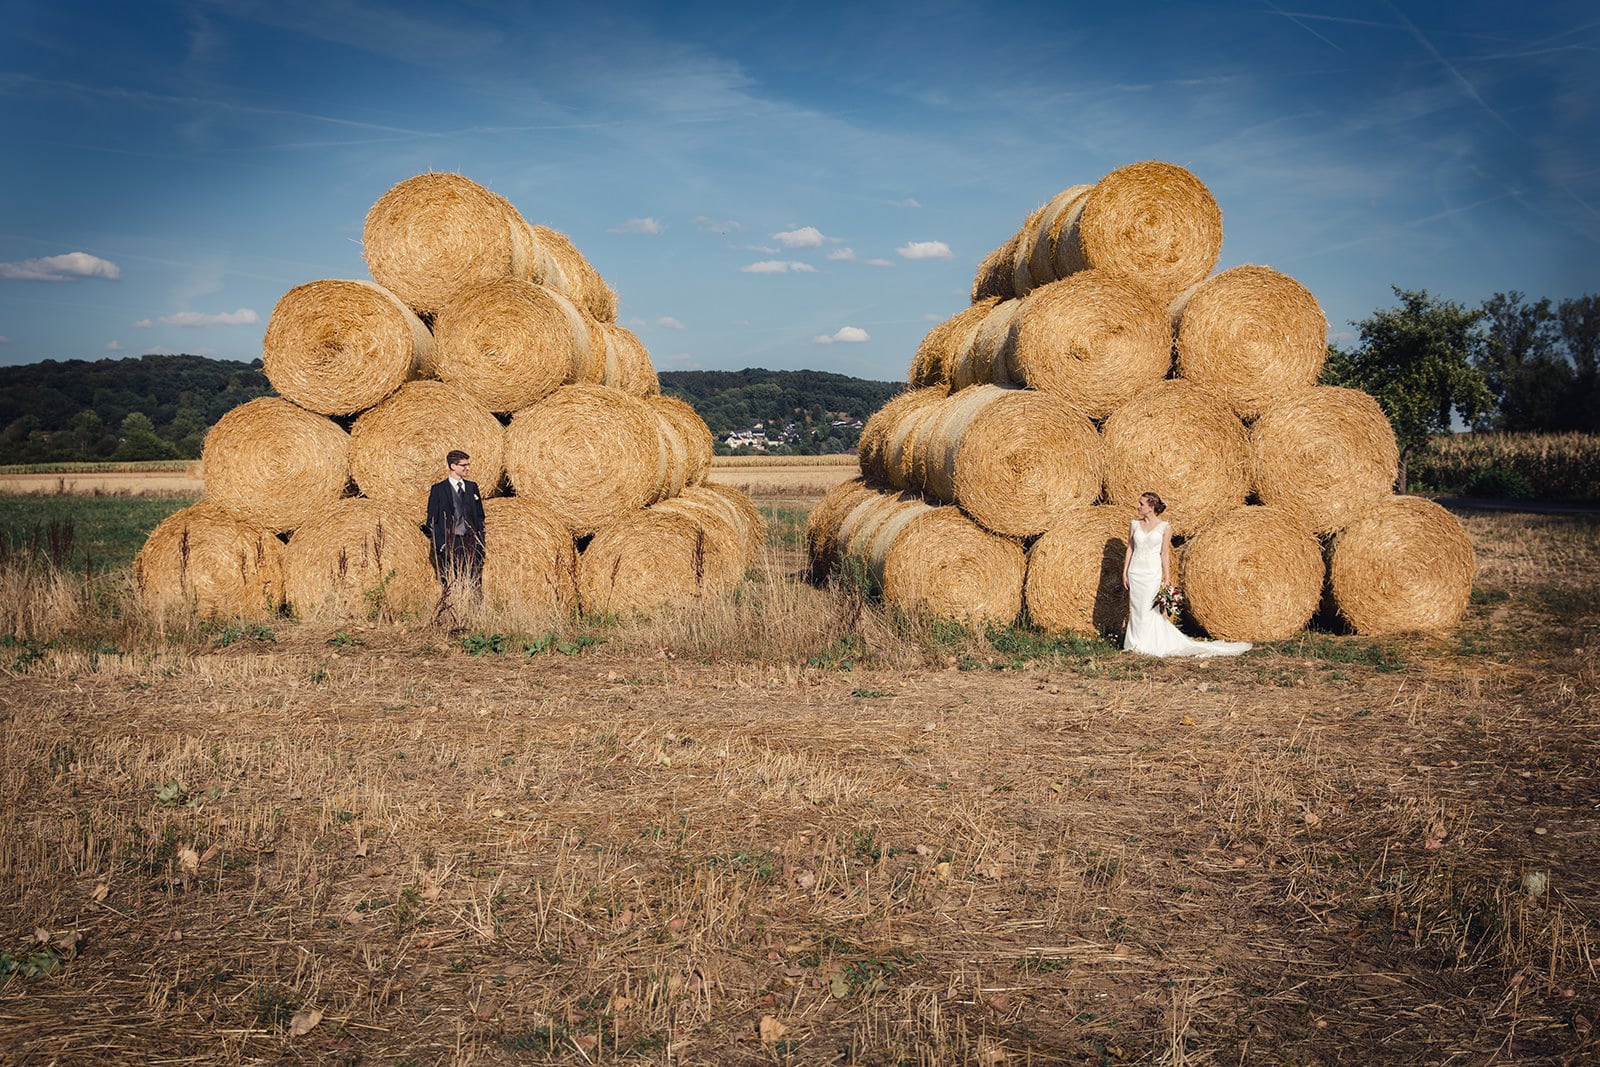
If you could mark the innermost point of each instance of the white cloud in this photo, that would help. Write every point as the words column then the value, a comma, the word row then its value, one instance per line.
column 766, row 250
column 778, row 266
column 667, row 322
column 804, row 237
column 113, row 346
column 845, row 335
column 644, row 225
column 879, row 263
column 71, row 267
column 242, row 317
column 722, row 226
column 926, row 250
column 842, row 254
column 907, row 202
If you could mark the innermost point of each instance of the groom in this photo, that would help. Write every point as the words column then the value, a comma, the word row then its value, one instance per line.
column 455, row 524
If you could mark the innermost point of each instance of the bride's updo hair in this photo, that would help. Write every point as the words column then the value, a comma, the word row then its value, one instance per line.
column 1156, row 503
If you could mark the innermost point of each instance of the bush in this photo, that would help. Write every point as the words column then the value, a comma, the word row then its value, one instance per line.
column 1500, row 484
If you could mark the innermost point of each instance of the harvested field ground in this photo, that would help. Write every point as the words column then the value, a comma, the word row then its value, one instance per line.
column 794, row 828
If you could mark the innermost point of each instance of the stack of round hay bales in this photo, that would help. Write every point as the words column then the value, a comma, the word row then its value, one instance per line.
column 480, row 332
column 1200, row 388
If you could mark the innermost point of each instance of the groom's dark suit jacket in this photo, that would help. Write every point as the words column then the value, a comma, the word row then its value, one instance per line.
column 442, row 514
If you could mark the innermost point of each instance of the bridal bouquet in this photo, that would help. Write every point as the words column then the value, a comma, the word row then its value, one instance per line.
column 1169, row 602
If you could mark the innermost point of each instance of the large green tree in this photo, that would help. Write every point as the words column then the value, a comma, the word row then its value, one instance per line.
column 1418, row 361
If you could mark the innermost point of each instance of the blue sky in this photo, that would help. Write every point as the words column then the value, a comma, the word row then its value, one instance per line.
column 784, row 185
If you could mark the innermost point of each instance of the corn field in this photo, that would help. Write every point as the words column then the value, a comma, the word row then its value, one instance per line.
column 1555, row 466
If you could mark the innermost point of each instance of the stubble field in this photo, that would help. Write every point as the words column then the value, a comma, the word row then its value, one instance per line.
column 794, row 828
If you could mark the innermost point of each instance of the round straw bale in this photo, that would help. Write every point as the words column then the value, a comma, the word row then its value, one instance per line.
column 508, row 343
column 692, row 435
column 433, row 235
column 627, row 362
column 210, row 558
column 557, row 263
column 530, row 563
column 1325, row 455
column 652, row 559
column 1405, row 564
column 1152, row 220
column 980, row 354
column 589, row 452
column 727, row 515
column 1183, row 443
column 275, row 463
column 882, row 446
column 1252, row 334
column 397, row 449
column 935, row 358
column 754, row 523
column 934, row 559
column 823, row 523
column 1074, row 581
column 1034, row 256
column 360, row 560
column 1094, row 339
column 1255, row 574
column 994, row 279
column 1014, row 459
column 338, row 347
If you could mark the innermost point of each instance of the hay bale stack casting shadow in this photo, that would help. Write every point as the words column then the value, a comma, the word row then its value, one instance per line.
column 1255, row 574
column 509, row 343
column 1405, row 564
column 431, row 236
column 591, row 453
column 936, row 355
column 1074, row 582
column 339, row 347
column 688, row 434
column 557, row 263
column 210, row 558
column 397, row 449
column 655, row 558
column 530, row 568
column 1014, row 459
column 361, row 560
column 275, row 463
column 1324, row 455
column 1182, row 442
column 1252, row 334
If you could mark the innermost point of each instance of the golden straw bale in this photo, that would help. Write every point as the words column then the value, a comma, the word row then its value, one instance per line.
column 431, row 236
column 1074, row 581
column 1252, row 334
column 933, row 559
column 627, row 362
column 210, row 558
column 397, row 449
column 691, row 436
column 338, row 347
column 360, row 560
column 994, row 280
column 823, row 523
column 590, row 452
column 1034, row 256
column 979, row 355
column 1255, row 574
column 275, row 463
column 1094, row 339
column 882, row 444
column 935, row 358
column 557, row 264
column 1156, row 221
column 1325, row 455
column 727, row 515
column 1183, row 443
column 530, row 564
column 1405, row 564
column 1014, row 459
column 508, row 343
column 653, row 559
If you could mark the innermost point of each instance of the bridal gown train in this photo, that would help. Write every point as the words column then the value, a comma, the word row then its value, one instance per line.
column 1149, row 632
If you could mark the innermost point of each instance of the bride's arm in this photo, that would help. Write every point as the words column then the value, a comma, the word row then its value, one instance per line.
column 1166, row 554
column 1127, row 556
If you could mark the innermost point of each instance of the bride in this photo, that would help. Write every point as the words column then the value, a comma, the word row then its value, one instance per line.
column 1145, row 568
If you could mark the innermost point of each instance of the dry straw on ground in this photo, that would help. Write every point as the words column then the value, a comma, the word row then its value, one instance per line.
column 1074, row 582
column 1405, row 564
column 338, row 347
column 589, row 452
column 654, row 558
column 275, row 463
column 509, row 343
column 934, row 560
column 1255, row 574
column 1095, row 339
column 555, row 262
column 431, row 236
column 361, row 560
column 210, row 558
column 530, row 567
column 397, row 449
column 1183, row 443
column 1324, row 455
column 1014, row 459
column 1252, row 334
column 883, row 447
column 934, row 362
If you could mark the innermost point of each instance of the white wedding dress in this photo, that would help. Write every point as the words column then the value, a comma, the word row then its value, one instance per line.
column 1149, row 632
